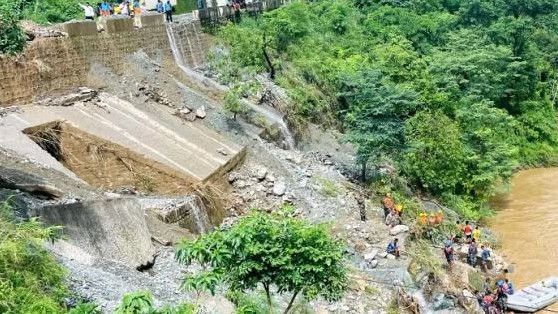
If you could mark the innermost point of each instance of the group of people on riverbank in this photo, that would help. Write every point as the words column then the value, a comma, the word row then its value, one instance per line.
column 494, row 295
column 129, row 8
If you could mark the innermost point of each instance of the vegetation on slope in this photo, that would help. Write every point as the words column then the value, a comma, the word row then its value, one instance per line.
column 30, row 278
column 271, row 252
column 456, row 94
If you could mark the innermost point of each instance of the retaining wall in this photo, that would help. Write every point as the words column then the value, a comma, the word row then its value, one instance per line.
column 53, row 65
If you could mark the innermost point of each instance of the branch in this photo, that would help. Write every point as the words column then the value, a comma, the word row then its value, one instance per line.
column 291, row 302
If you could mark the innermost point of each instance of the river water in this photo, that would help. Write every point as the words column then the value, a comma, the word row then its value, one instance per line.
column 527, row 223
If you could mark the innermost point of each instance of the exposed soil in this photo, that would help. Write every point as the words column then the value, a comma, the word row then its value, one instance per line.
column 105, row 164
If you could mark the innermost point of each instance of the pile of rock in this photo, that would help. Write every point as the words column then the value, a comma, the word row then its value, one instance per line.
column 153, row 93
column 189, row 114
column 33, row 30
column 83, row 94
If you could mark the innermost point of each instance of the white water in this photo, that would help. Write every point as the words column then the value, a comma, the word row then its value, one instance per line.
column 274, row 117
column 267, row 112
column 200, row 218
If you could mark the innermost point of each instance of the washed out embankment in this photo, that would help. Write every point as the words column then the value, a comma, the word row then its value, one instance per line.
column 55, row 65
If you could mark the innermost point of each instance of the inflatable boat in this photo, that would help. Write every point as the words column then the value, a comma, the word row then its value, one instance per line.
column 535, row 297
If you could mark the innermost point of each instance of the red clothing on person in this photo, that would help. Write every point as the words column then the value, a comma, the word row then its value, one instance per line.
column 468, row 230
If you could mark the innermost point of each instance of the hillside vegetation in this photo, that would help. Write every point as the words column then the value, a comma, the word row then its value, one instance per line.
column 455, row 94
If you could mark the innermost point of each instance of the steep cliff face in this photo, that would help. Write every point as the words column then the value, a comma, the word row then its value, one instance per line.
column 54, row 65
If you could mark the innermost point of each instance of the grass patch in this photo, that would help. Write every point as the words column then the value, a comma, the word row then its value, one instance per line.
column 476, row 280
column 185, row 6
column 327, row 187
column 423, row 260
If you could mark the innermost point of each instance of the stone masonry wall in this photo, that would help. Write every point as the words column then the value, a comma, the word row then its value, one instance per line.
column 54, row 65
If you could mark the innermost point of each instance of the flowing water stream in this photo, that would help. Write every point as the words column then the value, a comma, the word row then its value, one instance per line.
column 527, row 223
column 270, row 114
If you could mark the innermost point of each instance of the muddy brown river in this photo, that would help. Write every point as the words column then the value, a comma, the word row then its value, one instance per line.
column 527, row 223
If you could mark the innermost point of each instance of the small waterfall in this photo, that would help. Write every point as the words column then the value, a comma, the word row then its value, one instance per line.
column 178, row 58
column 274, row 117
column 418, row 296
column 268, row 113
column 199, row 218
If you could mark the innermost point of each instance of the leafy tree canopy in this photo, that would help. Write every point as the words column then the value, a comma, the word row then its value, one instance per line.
column 274, row 251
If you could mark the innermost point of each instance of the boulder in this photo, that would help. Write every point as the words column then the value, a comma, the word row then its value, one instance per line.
column 373, row 263
column 261, row 173
column 398, row 229
column 200, row 112
column 279, row 188
column 114, row 229
column 443, row 302
column 371, row 255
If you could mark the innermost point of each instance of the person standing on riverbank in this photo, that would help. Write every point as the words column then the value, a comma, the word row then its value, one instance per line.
column 393, row 248
column 388, row 204
column 448, row 252
column 472, row 253
column 468, row 232
column 477, row 234
column 485, row 255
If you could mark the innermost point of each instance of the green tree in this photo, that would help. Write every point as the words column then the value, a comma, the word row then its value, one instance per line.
column 435, row 157
column 234, row 104
column 376, row 115
column 492, row 136
column 271, row 251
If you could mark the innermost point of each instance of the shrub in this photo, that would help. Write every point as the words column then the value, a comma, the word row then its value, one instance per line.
column 31, row 281
column 12, row 37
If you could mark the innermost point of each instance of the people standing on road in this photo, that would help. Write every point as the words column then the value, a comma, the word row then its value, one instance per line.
column 137, row 14
column 168, row 11
column 236, row 9
column 88, row 11
column 105, row 8
column 472, row 253
column 124, row 8
column 159, row 6
column 143, row 8
column 393, row 247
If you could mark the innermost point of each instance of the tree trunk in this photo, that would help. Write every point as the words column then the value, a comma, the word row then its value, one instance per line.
column 268, row 63
column 268, row 296
column 291, row 302
column 363, row 172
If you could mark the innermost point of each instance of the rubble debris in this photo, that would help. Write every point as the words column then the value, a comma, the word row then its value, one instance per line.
column 84, row 94
column 200, row 112
column 33, row 30
column 4, row 111
column 154, row 94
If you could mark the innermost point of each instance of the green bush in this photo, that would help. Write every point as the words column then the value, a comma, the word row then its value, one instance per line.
column 141, row 302
column 12, row 37
column 31, row 281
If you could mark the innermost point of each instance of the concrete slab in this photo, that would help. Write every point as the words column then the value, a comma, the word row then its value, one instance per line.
column 80, row 28
column 151, row 130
